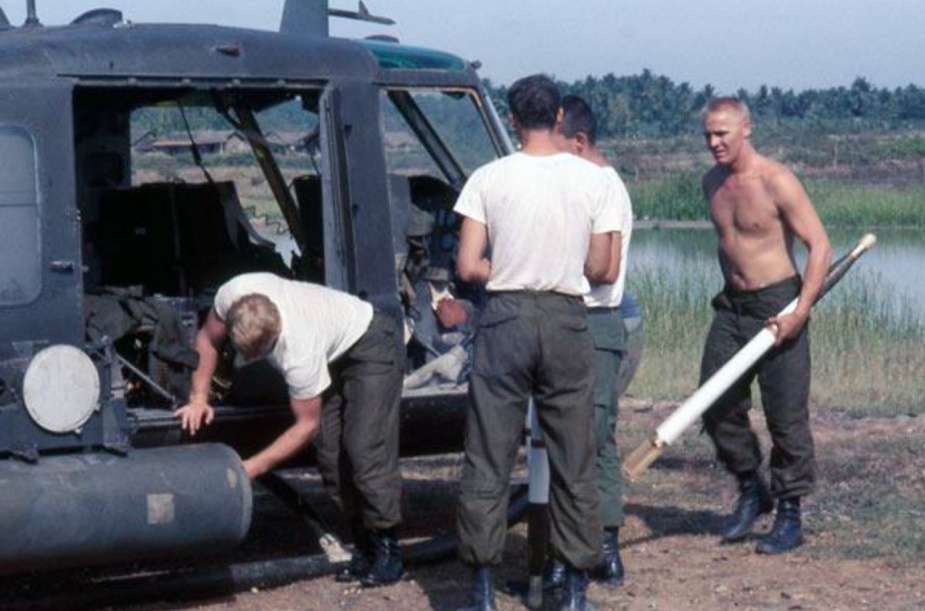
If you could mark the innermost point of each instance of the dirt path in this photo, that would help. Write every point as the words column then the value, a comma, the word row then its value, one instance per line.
column 671, row 572
column 864, row 534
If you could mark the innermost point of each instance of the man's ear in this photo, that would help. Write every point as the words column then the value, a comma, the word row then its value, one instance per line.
column 581, row 142
column 560, row 116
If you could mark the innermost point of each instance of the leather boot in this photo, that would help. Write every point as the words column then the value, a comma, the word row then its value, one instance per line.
column 553, row 575
column 754, row 500
column 359, row 561
column 574, row 593
column 386, row 566
column 610, row 572
column 483, row 590
column 787, row 532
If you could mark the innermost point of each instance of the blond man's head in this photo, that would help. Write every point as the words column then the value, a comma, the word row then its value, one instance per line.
column 253, row 324
column 727, row 104
column 727, row 130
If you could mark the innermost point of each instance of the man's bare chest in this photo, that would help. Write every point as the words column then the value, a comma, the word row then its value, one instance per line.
column 744, row 207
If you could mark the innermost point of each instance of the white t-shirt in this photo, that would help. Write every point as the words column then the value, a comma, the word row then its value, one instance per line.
column 318, row 324
column 610, row 295
column 540, row 212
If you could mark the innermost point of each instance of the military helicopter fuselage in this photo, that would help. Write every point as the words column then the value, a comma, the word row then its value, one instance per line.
column 291, row 152
column 145, row 165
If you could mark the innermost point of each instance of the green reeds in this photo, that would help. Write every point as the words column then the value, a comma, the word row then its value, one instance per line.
column 845, row 204
column 676, row 313
column 676, row 197
column 868, row 348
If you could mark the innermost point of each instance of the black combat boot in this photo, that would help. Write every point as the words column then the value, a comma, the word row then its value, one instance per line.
column 610, row 572
column 359, row 561
column 386, row 565
column 787, row 532
column 574, row 592
column 754, row 500
column 483, row 589
column 553, row 575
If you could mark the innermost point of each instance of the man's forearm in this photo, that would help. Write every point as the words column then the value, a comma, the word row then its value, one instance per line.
column 471, row 263
column 287, row 445
column 201, row 380
column 482, row 272
column 814, row 274
column 597, row 262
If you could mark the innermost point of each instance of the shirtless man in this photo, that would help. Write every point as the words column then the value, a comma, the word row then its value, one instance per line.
column 758, row 207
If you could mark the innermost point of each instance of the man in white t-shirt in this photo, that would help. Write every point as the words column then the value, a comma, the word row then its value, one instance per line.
column 536, row 223
column 342, row 362
column 577, row 133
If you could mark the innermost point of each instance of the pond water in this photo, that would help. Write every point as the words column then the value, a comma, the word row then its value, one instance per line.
column 896, row 263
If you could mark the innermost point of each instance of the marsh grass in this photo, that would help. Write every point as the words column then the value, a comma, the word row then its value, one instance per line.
column 868, row 348
column 856, row 205
column 839, row 203
column 676, row 197
column 676, row 311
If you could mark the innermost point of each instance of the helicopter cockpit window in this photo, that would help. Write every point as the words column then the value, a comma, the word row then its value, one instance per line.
column 440, row 133
column 19, row 223
column 434, row 139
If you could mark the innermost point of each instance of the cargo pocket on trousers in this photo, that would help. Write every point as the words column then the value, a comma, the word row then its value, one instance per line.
column 608, row 333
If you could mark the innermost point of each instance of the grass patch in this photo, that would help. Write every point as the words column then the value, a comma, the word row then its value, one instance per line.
column 871, row 507
column 679, row 197
column 867, row 205
column 868, row 349
column 676, row 197
column 676, row 311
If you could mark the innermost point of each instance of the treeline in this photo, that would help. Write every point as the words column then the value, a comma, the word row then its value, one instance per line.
column 648, row 105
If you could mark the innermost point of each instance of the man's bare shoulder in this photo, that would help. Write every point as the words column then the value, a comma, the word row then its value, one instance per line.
column 713, row 177
column 778, row 179
column 770, row 169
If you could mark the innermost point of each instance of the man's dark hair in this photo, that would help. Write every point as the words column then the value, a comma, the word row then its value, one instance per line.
column 577, row 117
column 534, row 102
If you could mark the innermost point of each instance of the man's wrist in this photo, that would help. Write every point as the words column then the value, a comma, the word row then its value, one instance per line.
column 199, row 396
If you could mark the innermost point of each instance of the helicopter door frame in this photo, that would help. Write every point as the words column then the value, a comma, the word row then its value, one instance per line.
column 359, row 249
column 41, row 111
column 340, row 262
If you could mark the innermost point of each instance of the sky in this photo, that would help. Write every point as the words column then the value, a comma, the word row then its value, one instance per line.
column 730, row 44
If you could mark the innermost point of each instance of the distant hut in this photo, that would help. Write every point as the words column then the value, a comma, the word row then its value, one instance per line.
column 217, row 142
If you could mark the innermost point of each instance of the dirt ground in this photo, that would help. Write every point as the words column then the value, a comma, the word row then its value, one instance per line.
column 864, row 527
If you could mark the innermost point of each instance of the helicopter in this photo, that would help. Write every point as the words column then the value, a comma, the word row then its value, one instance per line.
column 146, row 164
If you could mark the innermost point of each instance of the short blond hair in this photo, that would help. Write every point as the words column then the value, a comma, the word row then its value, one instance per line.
column 727, row 104
column 253, row 325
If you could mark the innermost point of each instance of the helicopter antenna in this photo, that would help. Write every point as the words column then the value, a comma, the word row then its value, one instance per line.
column 361, row 14
column 310, row 17
column 31, row 17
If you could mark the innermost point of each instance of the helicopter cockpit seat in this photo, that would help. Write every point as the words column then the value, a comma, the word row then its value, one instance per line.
column 177, row 239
